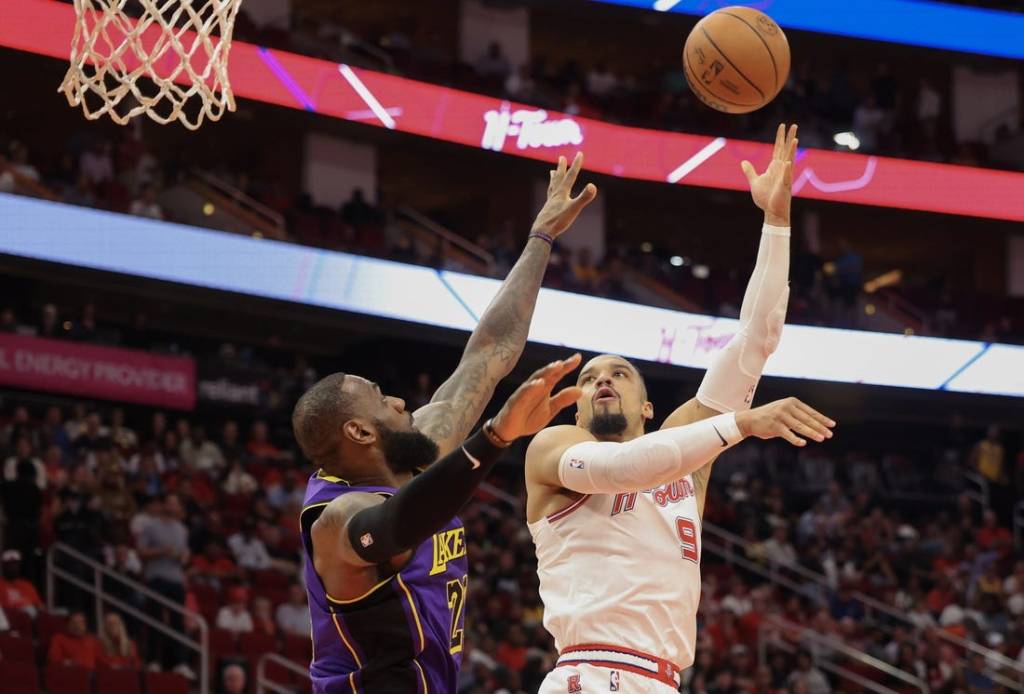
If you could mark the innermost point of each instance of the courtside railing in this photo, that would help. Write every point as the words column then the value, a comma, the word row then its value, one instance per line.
column 264, row 684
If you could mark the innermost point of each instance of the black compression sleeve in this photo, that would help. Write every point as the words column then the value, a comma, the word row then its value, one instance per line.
column 424, row 505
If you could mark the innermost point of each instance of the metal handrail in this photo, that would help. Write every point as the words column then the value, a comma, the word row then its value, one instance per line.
column 240, row 198
column 451, row 237
column 991, row 656
column 99, row 572
column 982, row 494
column 264, row 685
column 836, row 645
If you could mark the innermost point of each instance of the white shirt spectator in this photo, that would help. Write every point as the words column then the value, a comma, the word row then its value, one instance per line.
column 139, row 522
column 11, row 470
column 293, row 619
column 234, row 619
column 206, row 456
column 739, row 605
column 6, row 182
column 97, row 166
column 250, row 552
column 240, row 482
column 929, row 103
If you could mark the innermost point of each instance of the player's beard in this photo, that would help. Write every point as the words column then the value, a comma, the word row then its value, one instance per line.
column 406, row 451
column 608, row 424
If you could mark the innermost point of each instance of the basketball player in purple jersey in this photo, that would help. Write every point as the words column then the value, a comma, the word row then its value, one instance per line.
column 386, row 567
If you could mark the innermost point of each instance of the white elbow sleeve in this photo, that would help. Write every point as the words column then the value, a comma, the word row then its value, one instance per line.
column 606, row 467
column 731, row 381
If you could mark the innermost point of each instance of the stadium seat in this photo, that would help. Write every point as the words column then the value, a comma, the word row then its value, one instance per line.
column 19, row 677
column 276, row 673
column 222, row 643
column 47, row 625
column 165, row 683
column 21, row 623
column 68, row 679
column 298, row 648
column 109, row 681
column 269, row 578
column 17, row 648
column 255, row 644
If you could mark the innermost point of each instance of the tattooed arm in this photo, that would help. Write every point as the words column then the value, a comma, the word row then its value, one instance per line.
column 499, row 338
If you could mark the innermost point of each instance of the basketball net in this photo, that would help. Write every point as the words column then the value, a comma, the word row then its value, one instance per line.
column 162, row 60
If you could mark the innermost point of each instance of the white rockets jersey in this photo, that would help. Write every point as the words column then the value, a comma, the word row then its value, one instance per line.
column 623, row 570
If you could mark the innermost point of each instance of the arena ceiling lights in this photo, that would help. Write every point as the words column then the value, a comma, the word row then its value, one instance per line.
column 913, row 22
column 140, row 247
column 286, row 79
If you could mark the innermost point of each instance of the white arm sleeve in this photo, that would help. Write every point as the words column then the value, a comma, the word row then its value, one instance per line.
column 608, row 467
column 732, row 378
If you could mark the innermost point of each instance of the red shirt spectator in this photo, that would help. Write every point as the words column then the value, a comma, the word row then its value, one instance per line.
column 77, row 646
column 991, row 534
column 119, row 651
column 15, row 592
column 512, row 653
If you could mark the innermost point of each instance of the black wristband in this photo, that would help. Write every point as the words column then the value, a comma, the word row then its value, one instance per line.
column 425, row 505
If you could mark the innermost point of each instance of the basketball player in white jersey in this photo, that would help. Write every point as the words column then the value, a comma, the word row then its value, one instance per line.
column 616, row 513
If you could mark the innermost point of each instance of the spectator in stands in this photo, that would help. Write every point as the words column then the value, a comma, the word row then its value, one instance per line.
column 7, row 183
column 91, row 437
column 585, row 274
column 8, row 321
column 601, row 81
column 293, row 616
column 163, row 547
column 49, row 325
column 249, row 550
column 230, row 443
column 867, row 124
column 263, row 617
column 119, row 650
column 260, row 447
column 358, row 212
column 493, row 64
column 122, row 558
column 169, row 447
column 778, row 549
column 233, row 679
column 989, row 457
column 20, row 163
column 123, row 437
column 145, row 205
column 201, row 453
column 991, row 535
column 81, row 193
column 213, row 566
column 85, row 328
column 929, row 108
column 234, row 616
column 24, row 479
column 810, row 678
column 76, row 646
column 286, row 491
column 849, row 269
column 519, row 84
column 97, row 163
column 238, row 480
column 15, row 592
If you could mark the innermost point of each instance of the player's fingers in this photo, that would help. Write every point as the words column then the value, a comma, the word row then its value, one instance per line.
column 749, row 171
column 800, row 426
column 586, row 195
column 564, row 398
column 574, row 171
column 561, row 167
column 791, row 153
column 780, row 141
column 787, row 175
column 790, row 136
column 818, row 426
column 814, row 413
column 787, row 434
column 563, row 367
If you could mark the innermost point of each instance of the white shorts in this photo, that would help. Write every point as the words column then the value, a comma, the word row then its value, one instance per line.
column 593, row 679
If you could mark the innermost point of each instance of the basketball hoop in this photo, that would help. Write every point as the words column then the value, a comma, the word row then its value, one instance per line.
column 162, row 60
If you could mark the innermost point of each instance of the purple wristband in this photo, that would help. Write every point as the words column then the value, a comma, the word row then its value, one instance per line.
column 541, row 235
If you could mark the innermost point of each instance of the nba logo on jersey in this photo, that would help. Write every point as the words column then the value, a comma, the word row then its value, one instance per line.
column 613, row 681
column 574, row 684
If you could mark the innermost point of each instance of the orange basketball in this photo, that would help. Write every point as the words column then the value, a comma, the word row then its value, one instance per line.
column 736, row 59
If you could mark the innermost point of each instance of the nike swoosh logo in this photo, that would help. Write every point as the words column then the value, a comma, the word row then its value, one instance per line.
column 476, row 463
column 721, row 438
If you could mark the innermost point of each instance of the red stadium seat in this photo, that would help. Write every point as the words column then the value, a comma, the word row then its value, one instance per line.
column 165, row 683
column 48, row 625
column 255, row 644
column 110, row 681
column 68, row 679
column 298, row 648
column 277, row 674
column 21, row 623
column 270, row 579
column 19, row 677
column 17, row 648
column 222, row 643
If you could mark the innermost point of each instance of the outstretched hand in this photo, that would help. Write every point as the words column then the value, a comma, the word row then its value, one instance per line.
column 532, row 406
column 773, row 190
column 561, row 209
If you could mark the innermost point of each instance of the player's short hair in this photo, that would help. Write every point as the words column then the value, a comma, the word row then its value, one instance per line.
column 318, row 416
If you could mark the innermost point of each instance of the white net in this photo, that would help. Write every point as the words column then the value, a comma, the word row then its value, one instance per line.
column 165, row 58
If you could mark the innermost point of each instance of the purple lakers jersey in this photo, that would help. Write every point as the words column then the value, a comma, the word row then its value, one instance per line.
column 405, row 634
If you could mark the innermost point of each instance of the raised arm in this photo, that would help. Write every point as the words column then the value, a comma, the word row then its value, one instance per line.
column 731, row 381
column 500, row 336
column 364, row 530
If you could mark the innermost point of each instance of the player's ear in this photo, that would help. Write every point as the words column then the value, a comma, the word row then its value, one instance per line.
column 359, row 431
column 647, row 411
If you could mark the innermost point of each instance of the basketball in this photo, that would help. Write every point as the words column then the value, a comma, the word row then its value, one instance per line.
column 736, row 59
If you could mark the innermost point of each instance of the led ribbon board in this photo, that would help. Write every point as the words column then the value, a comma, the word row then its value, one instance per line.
column 914, row 22
column 157, row 250
column 340, row 91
